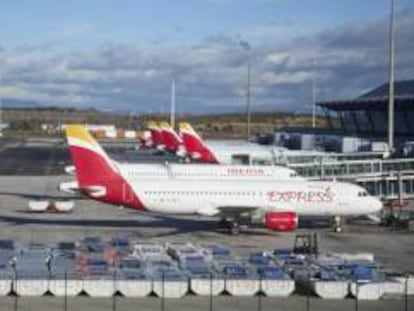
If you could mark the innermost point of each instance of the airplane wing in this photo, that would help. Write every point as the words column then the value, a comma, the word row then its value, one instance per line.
column 226, row 211
column 236, row 210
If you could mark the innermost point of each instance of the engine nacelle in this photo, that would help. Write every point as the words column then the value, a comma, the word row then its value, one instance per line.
column 281, row 221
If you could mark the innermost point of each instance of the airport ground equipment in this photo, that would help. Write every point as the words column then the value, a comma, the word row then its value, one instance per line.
column 306, row 244
column 140, row 269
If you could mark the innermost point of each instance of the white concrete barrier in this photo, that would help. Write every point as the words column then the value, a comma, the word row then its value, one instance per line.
column 99, row 288
column 5, row 286
column 62, row 287
column 24, row 287
column 393, row 288
column 330, row 289
column 134, row 288
column 277, row 288
column 170, row 289
column 245, row 287
column 207, row 287
column 406, row 282
column 367, row 291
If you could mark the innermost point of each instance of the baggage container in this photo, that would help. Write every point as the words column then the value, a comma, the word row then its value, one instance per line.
column 239, row 280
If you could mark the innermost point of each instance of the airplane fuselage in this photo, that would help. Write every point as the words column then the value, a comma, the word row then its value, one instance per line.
column 207, row 197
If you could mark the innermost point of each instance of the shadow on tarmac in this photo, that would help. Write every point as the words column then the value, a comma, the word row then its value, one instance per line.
column 172, row 224
column 30, row 196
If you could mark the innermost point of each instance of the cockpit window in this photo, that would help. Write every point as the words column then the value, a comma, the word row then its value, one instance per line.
column 362, row 194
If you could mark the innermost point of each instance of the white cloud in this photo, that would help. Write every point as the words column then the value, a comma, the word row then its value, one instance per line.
column 210, row 75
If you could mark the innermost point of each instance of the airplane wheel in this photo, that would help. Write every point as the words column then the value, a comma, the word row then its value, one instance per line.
column 337, row 224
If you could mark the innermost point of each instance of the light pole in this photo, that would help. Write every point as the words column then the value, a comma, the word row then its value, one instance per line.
column 391, row 83
column 313, row 86
column 1, row 106
column 172, row 108
column 246, row 46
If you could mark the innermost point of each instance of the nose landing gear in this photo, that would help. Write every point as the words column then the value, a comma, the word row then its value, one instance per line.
column 337, row 223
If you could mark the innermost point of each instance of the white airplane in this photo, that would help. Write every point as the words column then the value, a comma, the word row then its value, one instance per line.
column 279, row 203
column 192, row 172
column 195, row 172
column 228, row 152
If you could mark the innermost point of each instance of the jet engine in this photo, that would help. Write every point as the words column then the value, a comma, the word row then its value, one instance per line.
column 281, row 221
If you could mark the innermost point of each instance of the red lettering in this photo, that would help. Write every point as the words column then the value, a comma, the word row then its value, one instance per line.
column 301, row 196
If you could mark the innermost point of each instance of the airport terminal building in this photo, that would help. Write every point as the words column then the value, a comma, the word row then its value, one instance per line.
column 359, row 124
column 367, row 115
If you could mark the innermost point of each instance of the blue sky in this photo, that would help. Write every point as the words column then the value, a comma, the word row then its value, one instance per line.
column 86, row 23
column 87, row 44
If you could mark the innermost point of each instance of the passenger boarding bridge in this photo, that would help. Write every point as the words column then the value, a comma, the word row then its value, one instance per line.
column 388, row 179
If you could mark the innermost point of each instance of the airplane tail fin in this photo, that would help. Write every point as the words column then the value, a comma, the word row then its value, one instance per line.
column 192, row 141
column 98, row 176
column 171, row 139
column 195, row 146
column 91, row 162
column 156, row 135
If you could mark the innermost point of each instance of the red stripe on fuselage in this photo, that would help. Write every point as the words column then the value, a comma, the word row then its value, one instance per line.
column 93, row 170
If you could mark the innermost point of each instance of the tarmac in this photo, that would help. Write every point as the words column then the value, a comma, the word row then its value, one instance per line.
column 34, row 177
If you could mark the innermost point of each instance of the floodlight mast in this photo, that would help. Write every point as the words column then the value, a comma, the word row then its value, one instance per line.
column 391, row 147
column 172, row 108
column 313, row 86
column 246, row 46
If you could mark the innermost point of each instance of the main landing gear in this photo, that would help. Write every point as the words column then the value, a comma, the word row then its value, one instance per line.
column 337, row 223
column 233, row 225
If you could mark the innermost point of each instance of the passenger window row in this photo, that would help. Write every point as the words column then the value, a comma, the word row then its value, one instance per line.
column 199, row 193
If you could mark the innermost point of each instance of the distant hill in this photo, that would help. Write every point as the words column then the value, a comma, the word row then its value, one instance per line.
column 13, row 103
column 225, row 125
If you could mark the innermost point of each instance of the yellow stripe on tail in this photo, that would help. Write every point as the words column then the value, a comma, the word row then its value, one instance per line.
column 80, row 132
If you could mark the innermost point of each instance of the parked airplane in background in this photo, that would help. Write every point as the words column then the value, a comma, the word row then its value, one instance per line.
column 192, row 171
column 241, row 152
column 221, row 152
column 156, row 136
column 171, row 140
column 279, row 203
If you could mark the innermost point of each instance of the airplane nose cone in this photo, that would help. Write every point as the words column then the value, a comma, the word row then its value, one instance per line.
column 376, row 205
